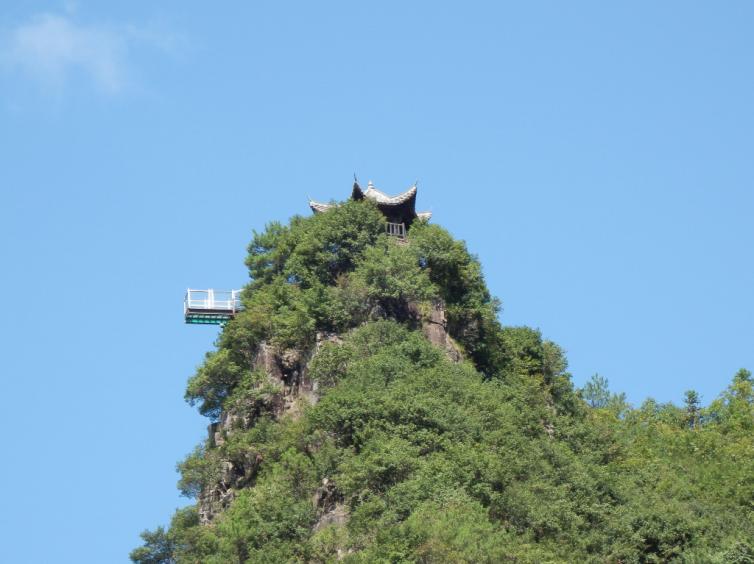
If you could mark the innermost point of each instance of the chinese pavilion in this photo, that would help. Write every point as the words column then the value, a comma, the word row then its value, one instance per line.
column 400, row 210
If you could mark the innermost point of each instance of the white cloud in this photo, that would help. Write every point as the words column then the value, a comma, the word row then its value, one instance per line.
column 54, row 50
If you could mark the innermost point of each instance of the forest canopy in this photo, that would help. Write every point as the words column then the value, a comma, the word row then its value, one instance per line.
column 410, row 453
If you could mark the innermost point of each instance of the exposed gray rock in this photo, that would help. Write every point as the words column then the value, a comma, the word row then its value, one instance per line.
column 330, row 506
column 287, row 371
column 434, row 325
column 217, row 498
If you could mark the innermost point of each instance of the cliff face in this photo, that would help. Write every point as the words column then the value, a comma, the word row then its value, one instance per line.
column 288, row 371
column 434, row 326
column 285, row 370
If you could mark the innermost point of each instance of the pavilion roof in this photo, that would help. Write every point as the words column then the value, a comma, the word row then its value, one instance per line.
column 400, row 207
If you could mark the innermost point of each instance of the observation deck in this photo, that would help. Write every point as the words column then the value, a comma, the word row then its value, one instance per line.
column 211, row 307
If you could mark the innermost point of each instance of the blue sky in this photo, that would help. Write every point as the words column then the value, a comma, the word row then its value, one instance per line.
column 596, row 156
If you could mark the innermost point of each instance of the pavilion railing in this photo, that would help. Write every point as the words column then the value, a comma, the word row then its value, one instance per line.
column 396, row 230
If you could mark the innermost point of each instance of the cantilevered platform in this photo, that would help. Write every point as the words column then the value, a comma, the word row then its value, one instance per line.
column 211, row 307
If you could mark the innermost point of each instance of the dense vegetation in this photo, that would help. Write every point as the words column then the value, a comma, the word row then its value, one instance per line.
column 493, row 459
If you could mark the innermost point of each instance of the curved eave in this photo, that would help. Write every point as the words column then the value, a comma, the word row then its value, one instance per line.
column 424, row 216
column 319, row 207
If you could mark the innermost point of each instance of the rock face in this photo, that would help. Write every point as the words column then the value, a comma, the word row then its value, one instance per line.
column 435, row 327
column 288, row 371
column 215, row 499
column 330, row 505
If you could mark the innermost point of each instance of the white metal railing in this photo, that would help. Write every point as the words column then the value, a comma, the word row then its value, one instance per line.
column 396, row 230
column 222, row 300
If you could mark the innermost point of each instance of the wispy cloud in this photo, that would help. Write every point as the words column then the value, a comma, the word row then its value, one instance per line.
column 54, row 50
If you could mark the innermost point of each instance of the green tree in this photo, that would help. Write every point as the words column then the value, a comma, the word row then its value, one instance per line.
column 596, row 392
column 158, row 548
column 692, row 403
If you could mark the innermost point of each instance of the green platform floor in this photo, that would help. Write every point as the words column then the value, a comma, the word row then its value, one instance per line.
column 207, row 319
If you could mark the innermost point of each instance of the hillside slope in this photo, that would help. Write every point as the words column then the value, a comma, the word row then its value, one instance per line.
column 367, row 406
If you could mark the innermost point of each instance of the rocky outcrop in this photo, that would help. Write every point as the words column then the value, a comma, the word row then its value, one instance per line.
column 286, row 371
column 331, row 509
column 214, row 500
column 434, row 325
